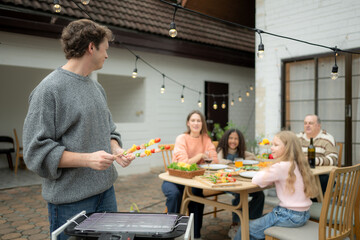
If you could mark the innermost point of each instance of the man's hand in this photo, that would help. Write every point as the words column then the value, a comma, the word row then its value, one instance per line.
column 100, row 160
column 124, row 160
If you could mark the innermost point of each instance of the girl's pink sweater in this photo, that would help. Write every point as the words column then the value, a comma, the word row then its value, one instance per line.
column 277, row 174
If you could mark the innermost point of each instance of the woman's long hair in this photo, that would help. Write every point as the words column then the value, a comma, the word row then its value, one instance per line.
column 204, row 130
column 224, row 143
column 293, row 153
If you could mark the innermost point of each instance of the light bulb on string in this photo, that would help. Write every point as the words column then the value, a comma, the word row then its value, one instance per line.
column 232, row 101
column 135, row 73
column 57, row 7
column 162, row 89
column 85, row 2
column 251, row 88
column 261, row 48
column 182, row 95
column 334, row 72
column 173, row 31
column 240, row 98
column 215, row 106
column 247, row 93
column 199, row 101
column 223, row 104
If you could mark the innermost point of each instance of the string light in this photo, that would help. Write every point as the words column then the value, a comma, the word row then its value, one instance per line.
column 162, row 89
column 182, row 94
column 199, row 101
column 334, row 72
column 215, row 106
column 173, row 31
column 223, row 105
column 261, row 47
column 135, row 73
column 232, row 100
column 57, row 7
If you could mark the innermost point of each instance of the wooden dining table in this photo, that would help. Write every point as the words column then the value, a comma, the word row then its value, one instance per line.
column 244, row 187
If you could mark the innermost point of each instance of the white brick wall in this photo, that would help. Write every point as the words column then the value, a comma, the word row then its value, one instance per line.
column 331, row 23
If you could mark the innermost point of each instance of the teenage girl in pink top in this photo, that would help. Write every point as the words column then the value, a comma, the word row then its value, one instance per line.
column 294, row 183
column 191, row 147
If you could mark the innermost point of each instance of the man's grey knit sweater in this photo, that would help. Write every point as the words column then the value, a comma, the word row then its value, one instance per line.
column 68, row 112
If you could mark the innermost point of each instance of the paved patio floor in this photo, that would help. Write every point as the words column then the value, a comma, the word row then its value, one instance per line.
column 23, row 212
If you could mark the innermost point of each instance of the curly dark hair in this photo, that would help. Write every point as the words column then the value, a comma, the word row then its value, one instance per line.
column 77, row 36
column 224, row 145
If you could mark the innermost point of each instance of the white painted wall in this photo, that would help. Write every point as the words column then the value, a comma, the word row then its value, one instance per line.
column 331, row 23
column 31, row 58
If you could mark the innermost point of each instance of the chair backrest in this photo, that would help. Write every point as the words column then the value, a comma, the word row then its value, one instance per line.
column 6, row 139
column 339, row 145
column 17, row 141
column 336, row 218
column 167, row 154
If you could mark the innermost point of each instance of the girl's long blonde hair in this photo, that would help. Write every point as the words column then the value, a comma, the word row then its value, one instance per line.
column 293, row 153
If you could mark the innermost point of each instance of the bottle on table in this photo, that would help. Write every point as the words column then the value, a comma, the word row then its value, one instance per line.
column 311, row 154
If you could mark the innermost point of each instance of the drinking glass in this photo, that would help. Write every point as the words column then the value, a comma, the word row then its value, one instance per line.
column 208, row 160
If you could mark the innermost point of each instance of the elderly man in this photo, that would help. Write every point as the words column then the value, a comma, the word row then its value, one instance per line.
column 326, row 151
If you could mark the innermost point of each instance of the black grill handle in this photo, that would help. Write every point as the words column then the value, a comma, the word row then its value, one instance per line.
column 119, row 236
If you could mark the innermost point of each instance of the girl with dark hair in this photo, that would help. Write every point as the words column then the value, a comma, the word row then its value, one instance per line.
column 231, row 146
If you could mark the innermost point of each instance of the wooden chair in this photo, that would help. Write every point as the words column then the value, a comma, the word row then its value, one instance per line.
column 167, row 158
column 19, row 151
column 357, row 216
column 7, row 147
column 336, row 218
column 339, row 145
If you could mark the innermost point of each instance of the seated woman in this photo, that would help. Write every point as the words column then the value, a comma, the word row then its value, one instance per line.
column 190, row 147
column 231, row 146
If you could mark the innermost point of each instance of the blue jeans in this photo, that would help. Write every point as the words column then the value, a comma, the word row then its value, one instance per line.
column 60, row 213
column 173, row 193
column 279, row 216
column 256, row 205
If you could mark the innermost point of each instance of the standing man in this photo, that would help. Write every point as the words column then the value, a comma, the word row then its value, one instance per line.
column 69, row 136
column 325, row 149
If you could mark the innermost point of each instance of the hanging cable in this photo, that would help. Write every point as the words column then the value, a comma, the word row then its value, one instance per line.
column 173, row 31
column 135, row 73
column 334, row 72
column 162, row 89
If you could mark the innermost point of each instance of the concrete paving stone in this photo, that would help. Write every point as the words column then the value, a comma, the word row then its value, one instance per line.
column 11, row 236
column 42, row 223
column 31, row 231
column 25, row 227
column 2, row 221
column 19, row 223
column 6, row 231
column 5, row 225
column 39, row 236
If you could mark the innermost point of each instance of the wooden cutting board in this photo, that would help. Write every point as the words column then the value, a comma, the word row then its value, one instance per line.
column 206, row 181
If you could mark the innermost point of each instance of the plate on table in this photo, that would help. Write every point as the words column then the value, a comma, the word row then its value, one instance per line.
column 248, row 174
column 214, row 166
column 250, row 162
